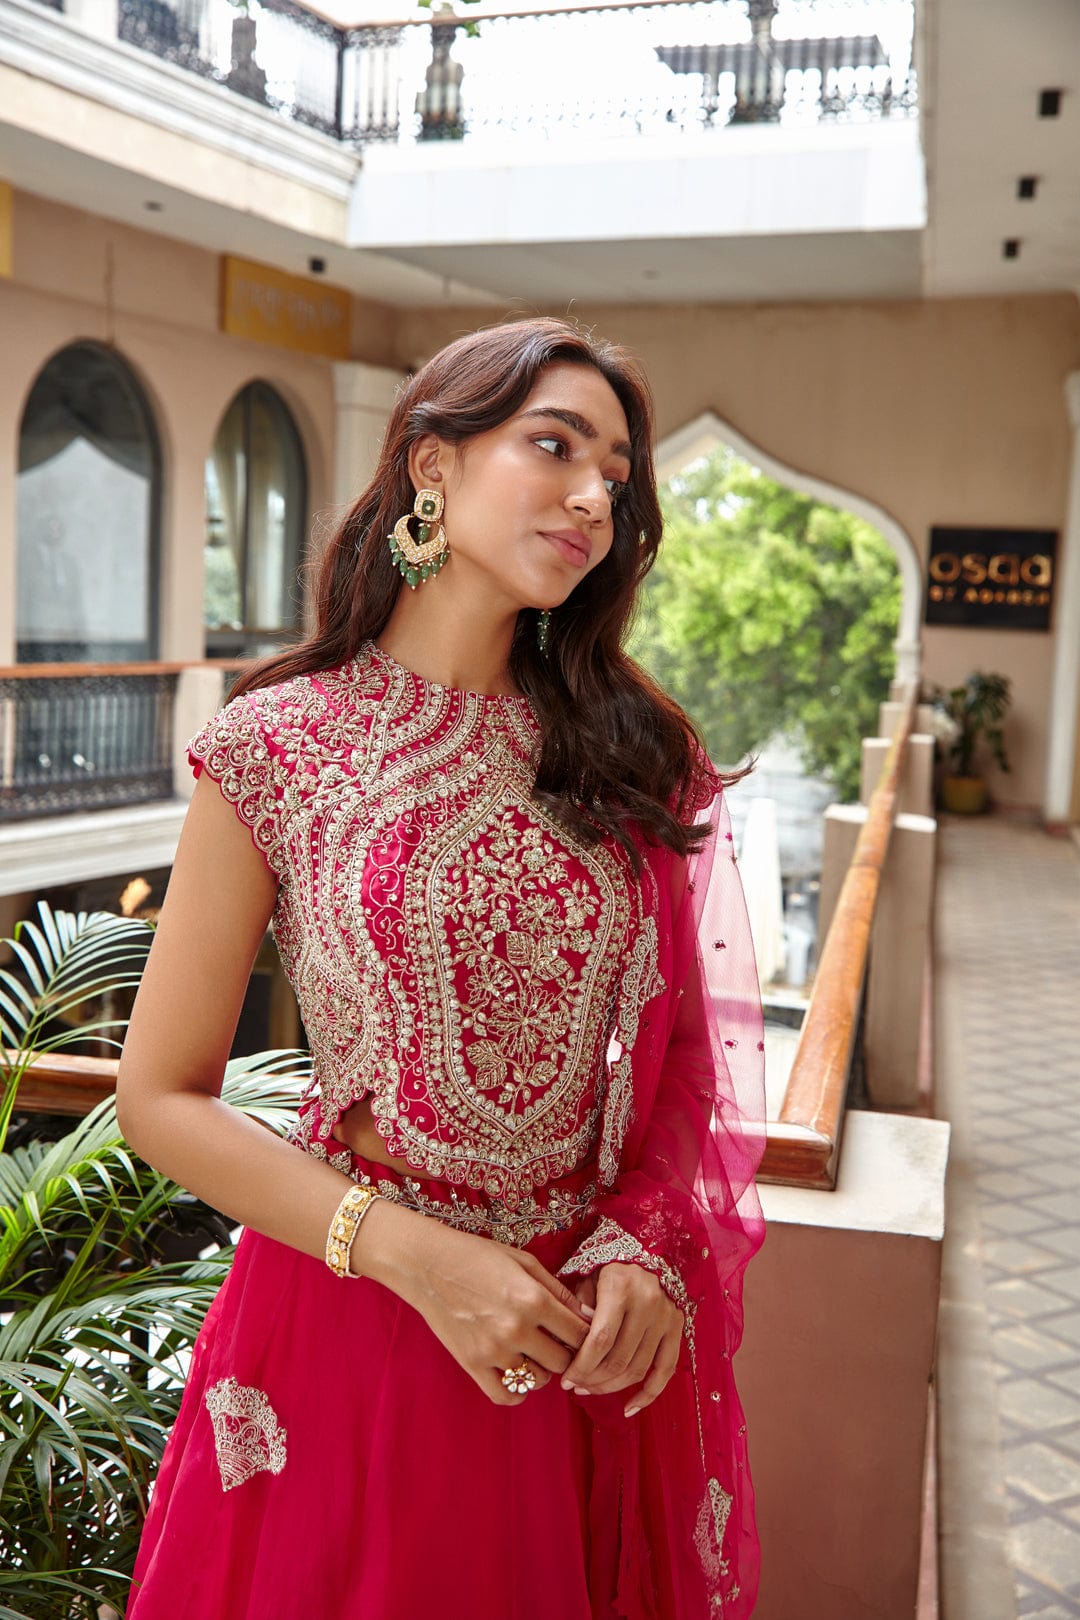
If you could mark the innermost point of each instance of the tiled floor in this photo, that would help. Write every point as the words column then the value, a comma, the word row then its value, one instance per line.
column 1008, row 947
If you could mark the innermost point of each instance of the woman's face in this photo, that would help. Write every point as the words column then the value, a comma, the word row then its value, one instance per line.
column 529, row 504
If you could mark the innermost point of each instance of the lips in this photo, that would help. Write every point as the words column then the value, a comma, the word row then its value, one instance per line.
column 570, row 544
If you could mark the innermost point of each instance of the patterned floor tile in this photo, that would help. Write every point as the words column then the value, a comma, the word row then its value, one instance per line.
column 1015, row 1218
column 1066, row 1377
column 1043, row 1472
column 1066, row 1326
column 1019, row 1255
column 1015, row 1184
column 1009, row 893
column 1022, row 1298
column 1065, row 1280
column 1021, row 1346
column 1047, row 1548
column 1063, row 1206
column 1063, row 1240
column 1039, row 1405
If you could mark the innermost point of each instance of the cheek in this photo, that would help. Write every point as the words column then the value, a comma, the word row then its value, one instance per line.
column 601, row 549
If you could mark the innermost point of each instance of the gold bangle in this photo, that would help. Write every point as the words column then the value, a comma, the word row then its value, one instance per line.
column 347, row 1217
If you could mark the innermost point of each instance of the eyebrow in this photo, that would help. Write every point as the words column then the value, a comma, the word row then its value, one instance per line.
column 582, row 425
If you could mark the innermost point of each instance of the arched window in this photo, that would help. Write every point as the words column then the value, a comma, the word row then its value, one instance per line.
column 88, row 496
column 256, row 504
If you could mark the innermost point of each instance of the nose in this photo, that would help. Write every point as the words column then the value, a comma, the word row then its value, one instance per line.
column 591, row 499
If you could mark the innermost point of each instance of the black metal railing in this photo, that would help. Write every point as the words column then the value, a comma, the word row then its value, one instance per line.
column 273, row 51
column 84, row 740
column 650, row 67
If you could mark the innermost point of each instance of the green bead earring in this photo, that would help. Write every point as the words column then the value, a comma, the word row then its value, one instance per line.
column 417, row 560
column 543, row 630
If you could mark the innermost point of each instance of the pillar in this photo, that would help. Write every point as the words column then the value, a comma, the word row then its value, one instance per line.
column 363, row 398
column 1065, row 689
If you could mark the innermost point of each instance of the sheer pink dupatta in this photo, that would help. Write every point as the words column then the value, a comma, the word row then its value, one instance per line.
column 672, row 1511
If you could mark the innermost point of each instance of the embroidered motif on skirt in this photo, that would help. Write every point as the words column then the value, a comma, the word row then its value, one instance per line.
column 247, row 1435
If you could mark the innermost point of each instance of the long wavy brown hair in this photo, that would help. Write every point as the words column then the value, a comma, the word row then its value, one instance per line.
column 615, row 752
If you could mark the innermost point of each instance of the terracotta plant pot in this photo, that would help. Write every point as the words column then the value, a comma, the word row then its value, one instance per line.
column 963, row 795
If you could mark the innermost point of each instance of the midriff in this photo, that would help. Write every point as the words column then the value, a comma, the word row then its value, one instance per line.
column 356, row 1128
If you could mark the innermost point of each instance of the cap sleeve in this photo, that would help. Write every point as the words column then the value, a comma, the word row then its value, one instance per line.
column 237, row 749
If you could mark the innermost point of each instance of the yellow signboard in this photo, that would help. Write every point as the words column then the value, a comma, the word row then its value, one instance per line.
column 270, row 306
column 5, row 228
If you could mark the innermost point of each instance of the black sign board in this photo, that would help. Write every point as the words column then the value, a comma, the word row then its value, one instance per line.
column 996, row 578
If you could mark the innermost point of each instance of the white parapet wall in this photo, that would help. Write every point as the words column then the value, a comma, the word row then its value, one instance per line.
column 835, row 1371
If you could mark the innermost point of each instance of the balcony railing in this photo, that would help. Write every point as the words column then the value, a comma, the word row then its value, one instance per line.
column 803, row 1146
column 91, row 737
column 629, row 67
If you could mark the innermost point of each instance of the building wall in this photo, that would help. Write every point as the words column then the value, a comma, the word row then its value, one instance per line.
column 77, row 276
column 941, row 412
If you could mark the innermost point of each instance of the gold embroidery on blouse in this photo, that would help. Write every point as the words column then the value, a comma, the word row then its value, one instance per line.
column 533, row 1217
column 455, row 951
column 640, row 981
column 247, row 1436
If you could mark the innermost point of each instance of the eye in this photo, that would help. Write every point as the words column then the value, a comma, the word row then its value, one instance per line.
column 560, row 444
column 616, row 489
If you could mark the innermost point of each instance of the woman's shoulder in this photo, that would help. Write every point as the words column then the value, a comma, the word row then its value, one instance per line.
column 303, row 709
column 307, row 697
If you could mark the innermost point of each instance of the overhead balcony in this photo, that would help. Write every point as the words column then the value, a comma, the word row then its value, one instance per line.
column 656, row 150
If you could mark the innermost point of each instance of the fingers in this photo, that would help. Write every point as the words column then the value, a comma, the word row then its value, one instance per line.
column 585, row 1291
column 561, row 1313
column 667, row 1359
column 604, row 1331
column 634, row 1322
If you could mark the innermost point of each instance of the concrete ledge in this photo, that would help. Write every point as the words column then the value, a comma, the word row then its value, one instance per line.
column 74, row 849
column 841, row 1316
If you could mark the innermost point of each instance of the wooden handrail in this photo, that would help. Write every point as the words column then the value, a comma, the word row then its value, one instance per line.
column 806, row 1144
column 30, row 672
column 61, row 1084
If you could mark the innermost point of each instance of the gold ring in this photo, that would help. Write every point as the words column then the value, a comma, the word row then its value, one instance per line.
column 521, row 1379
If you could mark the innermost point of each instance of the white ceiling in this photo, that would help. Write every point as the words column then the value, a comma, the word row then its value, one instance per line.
column 696, row 270
column 982, row 66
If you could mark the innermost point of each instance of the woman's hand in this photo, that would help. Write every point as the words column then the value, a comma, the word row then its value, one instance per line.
column 634, row 1338
column 490, row 1305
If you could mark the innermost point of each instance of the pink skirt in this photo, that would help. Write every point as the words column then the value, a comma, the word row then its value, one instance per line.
column 331, row 1461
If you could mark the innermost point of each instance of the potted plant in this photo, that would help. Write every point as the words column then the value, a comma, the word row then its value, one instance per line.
column 972, row 716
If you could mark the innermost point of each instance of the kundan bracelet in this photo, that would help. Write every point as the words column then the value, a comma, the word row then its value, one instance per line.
column 347, row 1217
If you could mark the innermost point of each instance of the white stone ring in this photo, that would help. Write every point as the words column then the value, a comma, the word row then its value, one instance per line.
column 520, row 1380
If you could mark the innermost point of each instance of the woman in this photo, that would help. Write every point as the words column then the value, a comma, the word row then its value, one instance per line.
column 472, row 1360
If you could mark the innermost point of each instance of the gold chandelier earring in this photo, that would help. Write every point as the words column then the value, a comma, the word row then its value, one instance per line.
column 419, row 559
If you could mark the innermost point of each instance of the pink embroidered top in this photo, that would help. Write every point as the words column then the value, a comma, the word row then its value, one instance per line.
column 533, row 1022
column 454, row 951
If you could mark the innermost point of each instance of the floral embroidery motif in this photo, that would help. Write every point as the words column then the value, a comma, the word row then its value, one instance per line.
column 247, row 1435
column 456, row 953
column 709, row 1537
column 611, row 1242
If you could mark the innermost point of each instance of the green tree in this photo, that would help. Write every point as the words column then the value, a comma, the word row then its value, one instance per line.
column 770, row 614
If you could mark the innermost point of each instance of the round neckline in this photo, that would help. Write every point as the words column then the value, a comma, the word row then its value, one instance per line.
column 390, row 662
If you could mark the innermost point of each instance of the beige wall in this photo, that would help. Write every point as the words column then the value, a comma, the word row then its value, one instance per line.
column 938, row 412
column 77, row 276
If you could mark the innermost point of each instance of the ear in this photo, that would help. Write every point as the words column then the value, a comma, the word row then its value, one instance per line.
column 429, row 462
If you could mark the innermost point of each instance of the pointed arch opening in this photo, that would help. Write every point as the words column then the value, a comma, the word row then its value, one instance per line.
column 778, row 612
column 708, row 431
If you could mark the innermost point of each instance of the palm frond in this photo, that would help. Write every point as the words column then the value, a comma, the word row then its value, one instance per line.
column 95, row 1329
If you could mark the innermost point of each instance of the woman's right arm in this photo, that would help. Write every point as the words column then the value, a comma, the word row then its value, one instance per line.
column 483, row 1301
